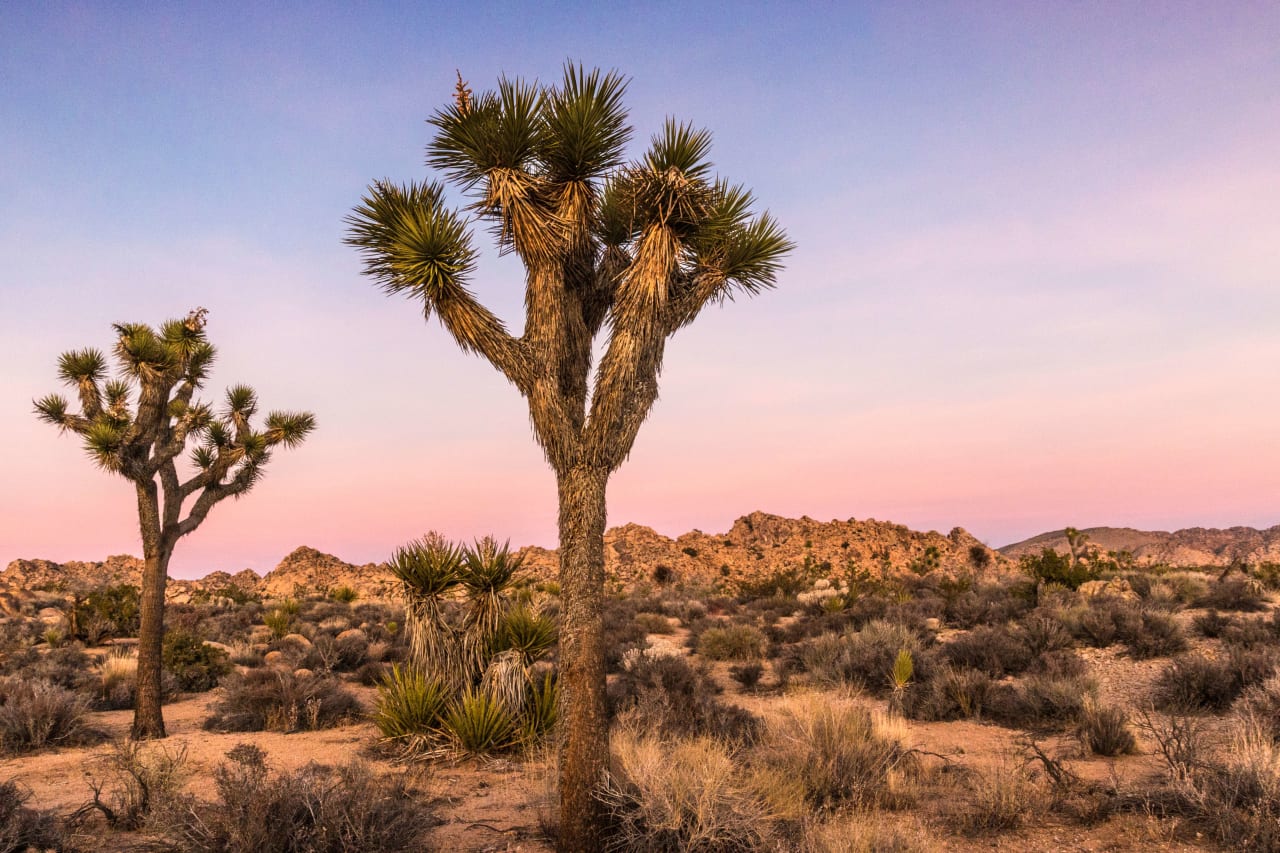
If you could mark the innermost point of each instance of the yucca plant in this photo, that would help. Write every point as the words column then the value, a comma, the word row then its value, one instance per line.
column 137, row 425
column 527, row 632
column 618, row 256
column 479, row 724
column 488, row 574
column 429, row 570
column 410, row 705
column 506, row 679
column 541, row 708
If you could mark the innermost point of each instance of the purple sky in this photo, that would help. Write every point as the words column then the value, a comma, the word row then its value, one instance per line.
column 1037, row 280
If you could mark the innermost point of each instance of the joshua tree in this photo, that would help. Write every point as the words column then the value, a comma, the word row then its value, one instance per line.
column 142, row 439
column 631, row 251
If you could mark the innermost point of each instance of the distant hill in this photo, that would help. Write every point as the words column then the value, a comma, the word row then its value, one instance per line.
column 1193, row 546
column 758, row 545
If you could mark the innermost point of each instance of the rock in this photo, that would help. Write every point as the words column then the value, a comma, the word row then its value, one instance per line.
column 275, row 659
column 352, row 634
column 219, row 646
column 303, row 673
column 297, row 640
column 51, row 616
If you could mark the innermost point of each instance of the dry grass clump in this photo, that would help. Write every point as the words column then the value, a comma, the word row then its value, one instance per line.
column 1240, row 594
column 678, row 794
column 838, row 751
column 35, row 714
column 315, row 809
column 1104, row 730
column 868, row 832
column 282, row 701
column 1000, row 799
column 138, row 780
column 1261, row 702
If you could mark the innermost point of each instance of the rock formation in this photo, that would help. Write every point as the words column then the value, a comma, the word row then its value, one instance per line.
column 1192, row 546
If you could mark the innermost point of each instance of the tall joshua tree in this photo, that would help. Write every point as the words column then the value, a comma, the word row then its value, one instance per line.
column 631, row 251
column 141, row 440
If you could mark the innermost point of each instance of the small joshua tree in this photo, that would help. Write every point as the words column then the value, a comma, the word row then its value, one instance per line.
column 137, row 426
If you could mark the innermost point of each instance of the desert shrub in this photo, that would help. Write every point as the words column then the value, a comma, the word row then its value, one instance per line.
column 345, row 653
column 663, row 574
column 1050, row 567
column 995, row 651
column 279, row 700
column 137, row 780
column 373, row 672
column 621, row 631
column 670, row 696
column 654, row 623
column 1237, row 594
column 479, row 724
column 747, row 674
column 1104, row 730
column 313, row 810
column 107, row 611
column 117, row 681
column 1261, row 702
column 1249, row 632
column 1194, row 683
column 344, row 593
column 1040, row 701
column 195, row 666
column 865, row 658
column 410, row 705
column 684, row 794
column 34, row 714
column 731, row 642
column 952, row 694
column 838, row 751
column 987, row 604
column 1153, row 634
column 67, row 666
column 999, row 800
column 23, row 828
column 1212, row 624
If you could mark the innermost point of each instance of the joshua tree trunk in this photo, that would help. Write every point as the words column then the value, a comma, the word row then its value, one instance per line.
column 584, row 725
column 148, row 722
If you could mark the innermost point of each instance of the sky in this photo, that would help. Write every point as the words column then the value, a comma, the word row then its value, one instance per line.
column 1036, row 279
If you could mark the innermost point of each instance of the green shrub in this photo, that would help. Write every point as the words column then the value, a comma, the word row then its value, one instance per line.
column 1194, row 683
column 654, row 623
column 542, row 708
column 747, row 674
column 344, row 593
column 1050, row 567
column 410, row 705
column 195, row 666
column 865, row 658
column 1234, row 594
column 478, row 724
column 732, row 642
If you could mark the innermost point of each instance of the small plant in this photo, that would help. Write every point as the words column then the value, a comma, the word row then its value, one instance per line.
column 23, row 828
column 312, row 810
column 117, row 680
column 478, row 724
column 35, row 714
column 663, row 574
column 1050, row 567
column 690, row 551
column 343, row 593
column 140, row 778
column 280, row 621
column 732, row 642
column 195, row 665
column 654, row 623
column 1105, row 730
column 747, row 674
column 1000, row 801
column 281, row 701
column 900, row 674
column 410, row 705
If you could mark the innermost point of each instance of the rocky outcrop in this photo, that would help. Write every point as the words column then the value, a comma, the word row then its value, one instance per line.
column 1192, row 546
column 760, row 545
column 306, row 570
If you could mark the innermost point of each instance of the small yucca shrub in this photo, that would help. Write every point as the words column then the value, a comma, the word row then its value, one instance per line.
column 542, row 708
column 531, row 634
column 410, row 705
column 479, row 724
